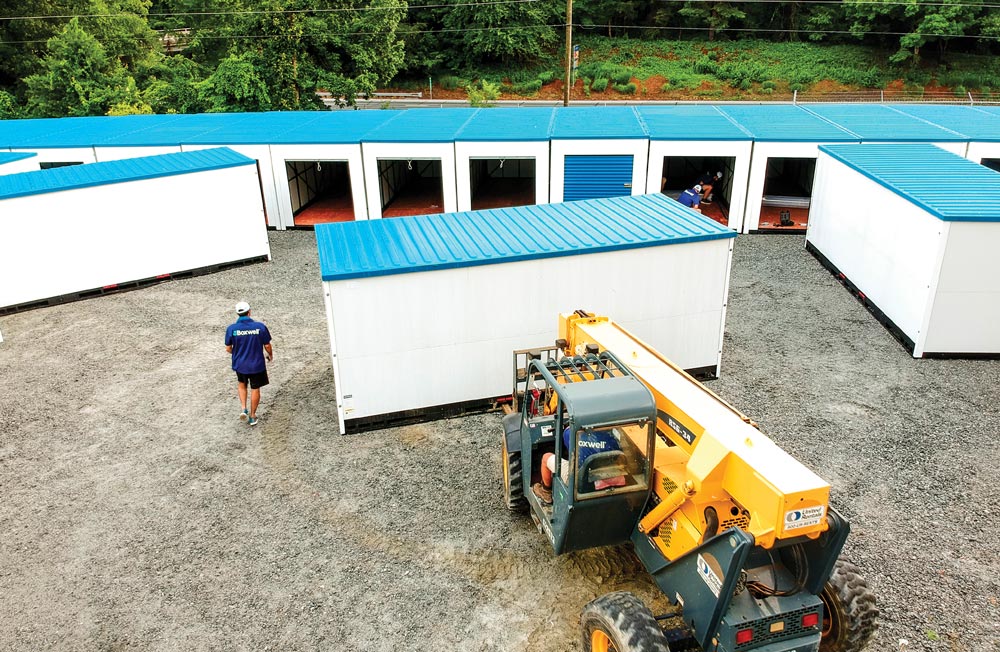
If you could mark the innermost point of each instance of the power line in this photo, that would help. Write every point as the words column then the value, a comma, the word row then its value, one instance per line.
column 273, row 11
column 847, row 32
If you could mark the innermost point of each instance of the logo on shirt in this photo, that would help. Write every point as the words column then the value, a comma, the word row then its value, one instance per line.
column 255, row 331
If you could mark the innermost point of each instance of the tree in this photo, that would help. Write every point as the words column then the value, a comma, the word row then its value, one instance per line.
column 483, row 94
column 235, row 86
column 172, row 85
column 78, row 78
column 714, row 16
column 507, row 33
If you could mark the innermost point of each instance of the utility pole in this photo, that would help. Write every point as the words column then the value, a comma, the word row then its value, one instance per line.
column 569, row 51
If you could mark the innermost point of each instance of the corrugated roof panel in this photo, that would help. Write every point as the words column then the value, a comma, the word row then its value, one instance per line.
column 880, row 122
column 432, row 242
column 334, row 128
column 421, row 126
column 596, row 122
column 785, row 123
column 689, row 122
column 253, row 128
column 132, row 169
column 994, row 109
column 10, row 157
column 511, row 124
column 962, row 119
column 946, row 185
column 36, row 132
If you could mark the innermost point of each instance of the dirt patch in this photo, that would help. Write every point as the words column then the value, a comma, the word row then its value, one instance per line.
column 140, row 514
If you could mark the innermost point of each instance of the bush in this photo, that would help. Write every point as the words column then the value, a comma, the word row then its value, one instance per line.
column 626, row 89
column 767, row 91
column 796, row 87
column 706, row 67
column 600, row 85
column 961, row 91
column 586, row 86
column 768, row 86
column 622, row 77
column 448, row 82
column 528, row 88
column 546, row 77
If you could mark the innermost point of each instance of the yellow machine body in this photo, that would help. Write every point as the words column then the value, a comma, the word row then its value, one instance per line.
column 712, row 468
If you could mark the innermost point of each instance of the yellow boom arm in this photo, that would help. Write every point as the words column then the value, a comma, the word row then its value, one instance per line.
column 712, row 468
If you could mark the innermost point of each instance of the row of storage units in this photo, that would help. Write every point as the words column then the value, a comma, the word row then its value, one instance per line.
column 468, row 289
column 80, row 231
column 354, row 165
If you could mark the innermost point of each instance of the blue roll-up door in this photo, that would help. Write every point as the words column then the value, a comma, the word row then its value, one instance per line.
column 593, row 177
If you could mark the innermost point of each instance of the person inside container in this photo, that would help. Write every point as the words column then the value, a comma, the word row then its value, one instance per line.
column 691, row 198
column 707, row 182
column 591, row 442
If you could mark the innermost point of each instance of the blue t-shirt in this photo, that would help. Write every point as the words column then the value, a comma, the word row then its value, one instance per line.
column 689, row 198
column 248, row 337
column 591, row 443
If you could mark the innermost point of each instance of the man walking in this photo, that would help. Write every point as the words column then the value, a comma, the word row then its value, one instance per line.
column 248, row 340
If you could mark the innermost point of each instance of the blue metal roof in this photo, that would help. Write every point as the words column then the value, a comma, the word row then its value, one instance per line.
column 963, row 119
column 10, row 157
column 335, row 128
column 689, row 122
column 433, row 242
column 421, row 126
column 596, row 122
column 512, row 124
column 994, row 109
column 880, row 122
column 946, row 185
column 786, row 123
column 132, row 169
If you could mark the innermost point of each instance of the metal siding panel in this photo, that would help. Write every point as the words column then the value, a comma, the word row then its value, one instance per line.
column 594, row 177
column 429, row 242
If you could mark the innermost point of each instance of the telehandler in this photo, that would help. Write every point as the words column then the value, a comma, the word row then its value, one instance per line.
column 736, row 533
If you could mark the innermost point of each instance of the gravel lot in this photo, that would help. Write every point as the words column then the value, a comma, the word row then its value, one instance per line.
column 139, row 514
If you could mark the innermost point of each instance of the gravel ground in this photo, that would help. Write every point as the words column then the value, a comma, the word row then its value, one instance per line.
column 139, row 514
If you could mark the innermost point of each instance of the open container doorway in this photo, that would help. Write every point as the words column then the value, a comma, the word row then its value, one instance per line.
column 502, row 182
column 682, row 172
column 319, row 191
column 410, row 187
column 788, row 184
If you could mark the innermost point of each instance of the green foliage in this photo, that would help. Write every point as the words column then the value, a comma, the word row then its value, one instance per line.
column 546, row 77
column 961, row 91
column 448, row 82
column 599, row 85
column 515, row 32
column 768, row 85
column 483, row 94
column 235, row 85
column 171, row 85
column 8, row 106
column 626, row 89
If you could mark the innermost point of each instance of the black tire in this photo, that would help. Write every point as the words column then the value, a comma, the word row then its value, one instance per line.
column 513, row 482
column 621, row 622
column 850, row 615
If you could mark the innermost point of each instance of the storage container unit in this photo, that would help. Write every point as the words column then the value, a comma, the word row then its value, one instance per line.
column 502, row 158
column 409, row 162
column 914, row 230
column 14, row 162
column 317, row 167
column 425, row 312
column 786, row 142
column 598, row 151
column 688, row 141
column 879, row 123
column 75, row 232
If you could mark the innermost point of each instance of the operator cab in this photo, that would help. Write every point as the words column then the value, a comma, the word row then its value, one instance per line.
column 597, row 421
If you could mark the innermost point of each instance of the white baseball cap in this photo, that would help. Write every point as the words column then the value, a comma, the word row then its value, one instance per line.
column 697, row 188
column 242, row 308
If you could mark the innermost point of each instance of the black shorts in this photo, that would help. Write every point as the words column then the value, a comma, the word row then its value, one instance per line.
column 255, row 381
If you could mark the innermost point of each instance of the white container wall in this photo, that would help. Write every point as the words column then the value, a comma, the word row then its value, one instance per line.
column 118, row 153
column 266, row 186
column 73, row 155
column 29, row 164
column 638, row 149
column 739, row 150
column 111, row 234
column 451, row 342
column 979, row 150
column 465, row 151
column 443, row 152
column 283, row 154
column 935, row 280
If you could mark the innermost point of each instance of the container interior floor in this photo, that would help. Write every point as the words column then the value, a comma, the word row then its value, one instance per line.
column 415, row 201
column 504, row 193
column 333, row 208
column 770, row 218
